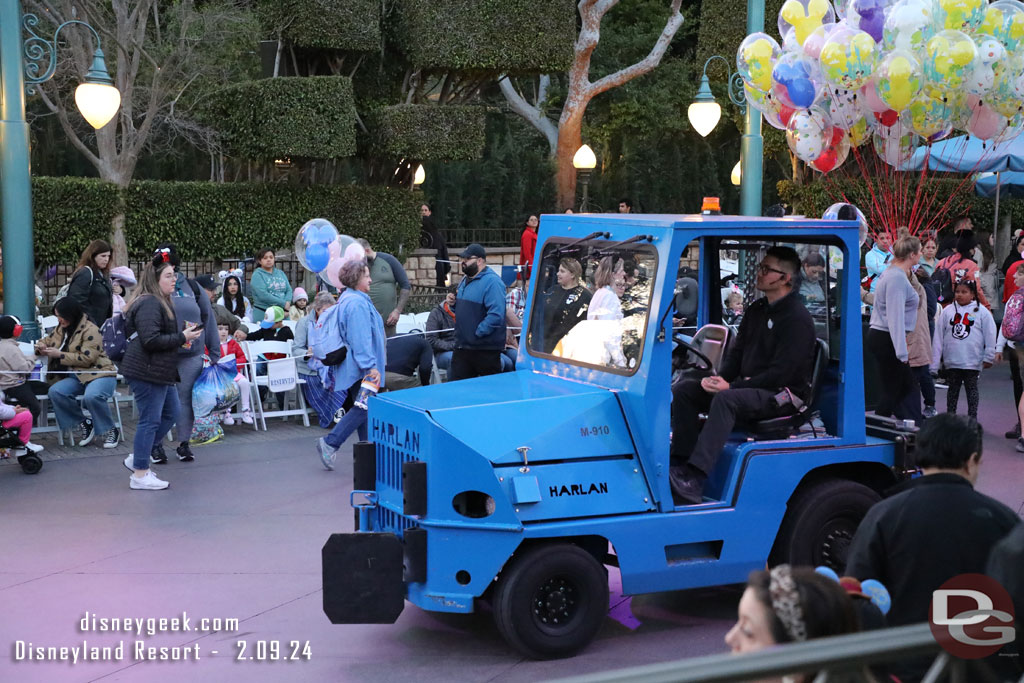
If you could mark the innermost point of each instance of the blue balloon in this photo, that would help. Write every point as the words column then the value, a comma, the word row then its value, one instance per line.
column 798, row 84
column 317, row 257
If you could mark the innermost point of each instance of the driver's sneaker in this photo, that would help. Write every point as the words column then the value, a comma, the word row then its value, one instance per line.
column 147, row 482
column 687, row 486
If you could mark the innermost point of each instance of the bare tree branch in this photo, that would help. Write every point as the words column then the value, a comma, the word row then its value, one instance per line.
column 647, row 64
column 533, row 114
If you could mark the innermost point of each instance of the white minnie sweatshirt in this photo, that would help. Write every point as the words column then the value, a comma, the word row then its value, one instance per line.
column 965, row 337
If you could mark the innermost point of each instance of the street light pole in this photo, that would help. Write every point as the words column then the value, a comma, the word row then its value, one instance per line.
column 15, row 174
column 97, row 100
column 752, row 144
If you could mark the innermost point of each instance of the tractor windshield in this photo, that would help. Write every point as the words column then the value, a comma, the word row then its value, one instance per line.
column 592, row 303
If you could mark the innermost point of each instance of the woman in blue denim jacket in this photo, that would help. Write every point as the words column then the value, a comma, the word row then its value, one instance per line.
column 352, row 323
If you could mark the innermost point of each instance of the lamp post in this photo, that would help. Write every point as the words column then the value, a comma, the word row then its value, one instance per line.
column 97, row 100
column 704, row 114
column 584, row 162
column 737, row 174
column 419, row 177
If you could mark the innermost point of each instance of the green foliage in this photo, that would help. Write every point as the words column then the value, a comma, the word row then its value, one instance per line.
column 508, row 36
column 287, row 117
column 495, row 194
column 438, row 133
column 723, row 26
column 345, row 25
column 68, row 214
column 214, row 220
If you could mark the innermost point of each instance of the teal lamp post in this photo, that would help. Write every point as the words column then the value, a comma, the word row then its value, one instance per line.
column 704, row 114
column 97, row 99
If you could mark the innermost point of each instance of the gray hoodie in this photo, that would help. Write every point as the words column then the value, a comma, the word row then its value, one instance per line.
column 189, row 309
column 895, row 309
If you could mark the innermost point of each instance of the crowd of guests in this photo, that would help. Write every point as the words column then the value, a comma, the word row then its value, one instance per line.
column 929, row 299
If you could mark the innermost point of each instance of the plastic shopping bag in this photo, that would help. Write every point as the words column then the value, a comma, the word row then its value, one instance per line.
column 215, row 390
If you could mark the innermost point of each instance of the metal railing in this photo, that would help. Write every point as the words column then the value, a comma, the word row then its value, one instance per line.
column 845, row 657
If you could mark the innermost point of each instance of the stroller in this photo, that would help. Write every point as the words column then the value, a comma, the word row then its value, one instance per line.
column 30, row 462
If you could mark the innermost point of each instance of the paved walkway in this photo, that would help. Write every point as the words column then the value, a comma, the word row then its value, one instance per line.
column 238, row 536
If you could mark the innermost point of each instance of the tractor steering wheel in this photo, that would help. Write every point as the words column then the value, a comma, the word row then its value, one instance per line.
column 685, row 348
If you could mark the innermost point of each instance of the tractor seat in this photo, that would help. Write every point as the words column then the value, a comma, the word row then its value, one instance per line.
column 783, row 427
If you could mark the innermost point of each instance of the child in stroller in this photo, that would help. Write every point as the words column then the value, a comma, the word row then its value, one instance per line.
column 15, row 429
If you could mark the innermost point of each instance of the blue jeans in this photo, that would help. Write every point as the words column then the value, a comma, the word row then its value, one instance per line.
column 64, row 396
column 508, row 360
column 158, row 409
column 354, row 419
column 443, row 360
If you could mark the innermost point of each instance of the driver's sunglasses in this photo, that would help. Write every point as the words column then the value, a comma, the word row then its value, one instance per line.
column 764, row 269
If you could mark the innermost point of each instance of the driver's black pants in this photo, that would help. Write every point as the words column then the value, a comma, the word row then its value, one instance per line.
column 724, row 409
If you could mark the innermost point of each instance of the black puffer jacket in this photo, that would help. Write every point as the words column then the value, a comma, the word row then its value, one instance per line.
column 93, row 292
column 152, row 356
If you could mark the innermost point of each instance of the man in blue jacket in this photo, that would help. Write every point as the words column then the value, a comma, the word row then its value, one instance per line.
column 480, row 318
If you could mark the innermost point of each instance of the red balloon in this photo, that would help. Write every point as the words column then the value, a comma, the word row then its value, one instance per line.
column 887, row 118
column 829, row 159
column 785, row 114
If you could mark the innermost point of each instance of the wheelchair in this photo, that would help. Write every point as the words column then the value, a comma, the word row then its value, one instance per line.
column 30, row 462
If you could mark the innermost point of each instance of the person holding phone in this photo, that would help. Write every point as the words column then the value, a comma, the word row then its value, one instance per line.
column 151, row 366
column 193, row 310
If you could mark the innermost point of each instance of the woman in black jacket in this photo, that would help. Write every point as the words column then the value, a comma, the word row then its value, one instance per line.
column 90, row 285
column 151, row 366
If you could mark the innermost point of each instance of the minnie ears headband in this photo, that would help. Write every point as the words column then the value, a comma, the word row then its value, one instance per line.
column 225, row 274
column 161, row 256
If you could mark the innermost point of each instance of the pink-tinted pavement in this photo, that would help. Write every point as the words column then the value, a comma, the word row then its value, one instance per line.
column 238, row 537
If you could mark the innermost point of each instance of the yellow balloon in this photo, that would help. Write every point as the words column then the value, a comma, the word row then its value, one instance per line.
column 758, row 56
column 804, row 21
column 901, row 85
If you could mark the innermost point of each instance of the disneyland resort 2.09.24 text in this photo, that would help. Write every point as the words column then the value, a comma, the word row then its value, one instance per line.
column 138, row 650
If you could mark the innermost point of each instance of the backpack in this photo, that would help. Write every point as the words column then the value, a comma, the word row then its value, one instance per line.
column 1013, row 317
column 115, row 337
column 63, row 291
column 942, row 279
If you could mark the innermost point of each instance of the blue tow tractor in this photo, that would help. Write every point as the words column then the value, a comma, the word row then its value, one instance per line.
column 519, row 489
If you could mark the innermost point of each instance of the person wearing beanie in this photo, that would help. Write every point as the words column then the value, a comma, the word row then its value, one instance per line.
column 15, row 368
column 299, row 302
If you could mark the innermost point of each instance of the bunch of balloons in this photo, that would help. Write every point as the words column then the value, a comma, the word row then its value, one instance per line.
column 322, row 250
column 898, row 73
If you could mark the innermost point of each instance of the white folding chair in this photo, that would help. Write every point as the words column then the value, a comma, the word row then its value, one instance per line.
column 290, row 324
column 250, row 327
column 42, row 425
column 281, row 373
column 49, row 323
column 406, row 323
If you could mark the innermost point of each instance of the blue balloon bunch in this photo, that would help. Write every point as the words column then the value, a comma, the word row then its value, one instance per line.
column 313, row 244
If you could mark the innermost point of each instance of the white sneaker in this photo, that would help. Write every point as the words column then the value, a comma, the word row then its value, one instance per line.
column 228, row 420
column 328, row 455
column 34, row 447
column 129, row 462
column 247, row 417
column 148, row 482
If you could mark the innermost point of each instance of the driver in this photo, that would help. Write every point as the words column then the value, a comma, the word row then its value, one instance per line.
column 773, row 351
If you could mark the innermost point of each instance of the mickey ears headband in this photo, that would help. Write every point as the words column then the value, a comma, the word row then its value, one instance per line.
column 225, row 274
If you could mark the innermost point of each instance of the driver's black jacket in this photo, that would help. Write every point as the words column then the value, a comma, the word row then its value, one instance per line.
column 774, row 348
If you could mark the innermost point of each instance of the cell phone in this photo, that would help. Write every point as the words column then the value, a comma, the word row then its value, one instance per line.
column 199, row 327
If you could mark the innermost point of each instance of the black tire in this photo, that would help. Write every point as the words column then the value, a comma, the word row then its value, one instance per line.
column 31, row 463
column 820, row 523
column 551, row 600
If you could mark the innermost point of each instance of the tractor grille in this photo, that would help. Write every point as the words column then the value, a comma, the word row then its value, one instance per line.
column 389, row 488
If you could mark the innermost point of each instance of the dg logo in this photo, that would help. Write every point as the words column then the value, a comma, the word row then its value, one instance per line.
column 971, row 616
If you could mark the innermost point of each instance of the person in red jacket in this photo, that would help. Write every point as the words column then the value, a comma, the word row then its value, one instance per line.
column 527, row 246
column 229, row 345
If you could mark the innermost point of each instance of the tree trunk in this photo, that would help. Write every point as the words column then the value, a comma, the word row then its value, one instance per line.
column 570, row 137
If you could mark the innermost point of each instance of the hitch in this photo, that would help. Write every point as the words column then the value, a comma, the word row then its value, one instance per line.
column 364, row 509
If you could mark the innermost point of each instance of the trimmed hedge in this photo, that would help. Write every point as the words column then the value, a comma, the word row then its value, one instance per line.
column 437, row 133
column 344, row 25
column 214, row 220
column 723, row 26
column 271, row 118
column 510, row 36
